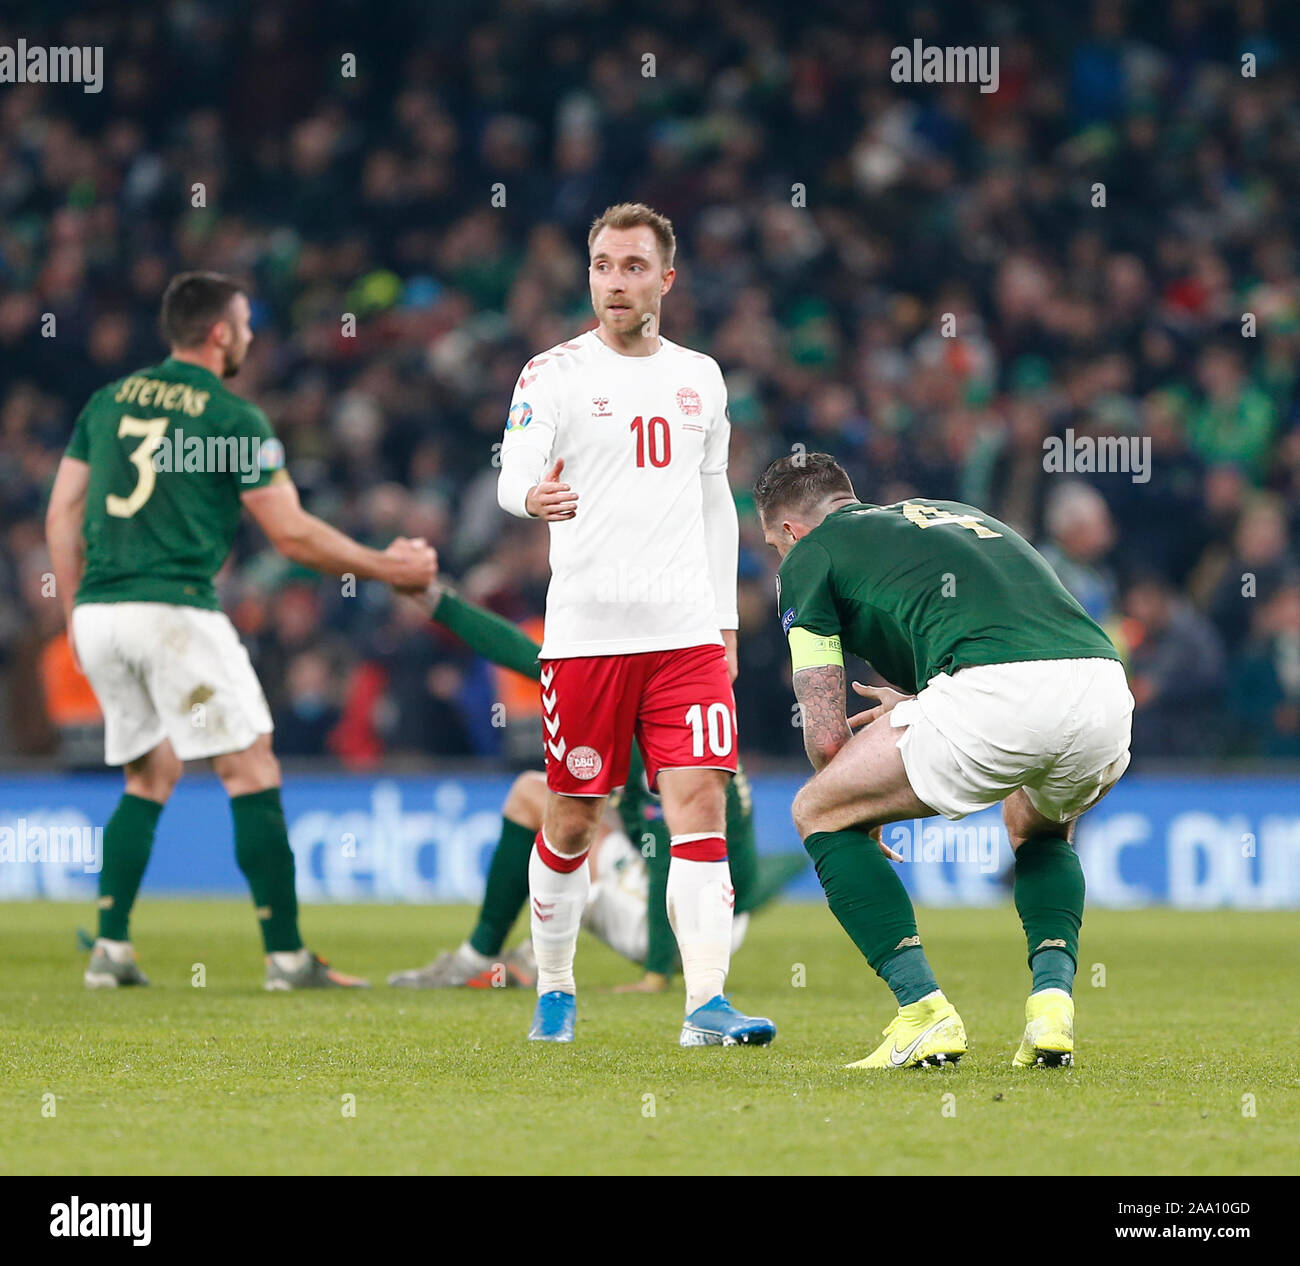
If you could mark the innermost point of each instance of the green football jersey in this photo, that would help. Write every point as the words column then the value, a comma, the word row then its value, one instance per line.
column 170, row 451
column 926, row 587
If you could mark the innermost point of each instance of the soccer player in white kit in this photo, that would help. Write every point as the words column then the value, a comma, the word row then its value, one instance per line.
column 640, row 634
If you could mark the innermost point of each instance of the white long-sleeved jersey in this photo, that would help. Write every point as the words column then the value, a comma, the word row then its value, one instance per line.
column 648, row 563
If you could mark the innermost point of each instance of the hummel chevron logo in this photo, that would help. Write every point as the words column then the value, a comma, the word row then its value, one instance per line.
column 899, row 1058
column 547, row 674
column 557, row 752
column 548, row 701
column 729, row 896
column 552, row 724
column 544, row 910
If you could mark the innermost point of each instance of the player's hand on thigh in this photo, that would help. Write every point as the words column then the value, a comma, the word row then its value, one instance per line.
column 889, row 700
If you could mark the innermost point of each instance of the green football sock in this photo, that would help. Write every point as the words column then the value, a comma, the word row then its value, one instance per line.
column 1049, row 899
column 507, row 888
column 661, row 943
column 742, row 846
column 128, row 841
column 868, row 898
column 263, row 853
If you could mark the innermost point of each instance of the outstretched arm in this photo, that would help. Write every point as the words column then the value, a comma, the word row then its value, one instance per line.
column 305, row 539
column 486, row 633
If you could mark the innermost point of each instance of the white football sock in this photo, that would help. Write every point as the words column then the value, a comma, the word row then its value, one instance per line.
column 468, row 956
column 118, row 951
column 555, row 902
column 700, row 905
column 291, row 960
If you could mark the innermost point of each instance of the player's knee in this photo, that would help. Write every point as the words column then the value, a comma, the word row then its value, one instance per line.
column 155, row 777
column 570, row 836
column 1050, row 831
column 254, row 769
column 526, row 799
column 169, row 774
column 805, row 814
column 1025, row 823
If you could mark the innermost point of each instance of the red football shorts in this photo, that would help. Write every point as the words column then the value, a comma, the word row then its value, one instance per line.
column 678, row 704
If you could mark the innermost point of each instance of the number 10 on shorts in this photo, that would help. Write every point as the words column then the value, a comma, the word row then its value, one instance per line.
column 718, row 725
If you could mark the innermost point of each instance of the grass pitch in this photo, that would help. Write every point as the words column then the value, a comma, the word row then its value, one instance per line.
column 1187, row 1056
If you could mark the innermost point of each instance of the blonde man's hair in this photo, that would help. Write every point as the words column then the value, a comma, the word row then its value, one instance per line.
column 632, row 215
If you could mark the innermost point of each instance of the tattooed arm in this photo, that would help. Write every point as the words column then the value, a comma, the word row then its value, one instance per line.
column 820, row 692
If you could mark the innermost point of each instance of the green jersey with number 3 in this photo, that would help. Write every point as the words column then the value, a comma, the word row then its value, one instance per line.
column 925, row 587
column 170, row 451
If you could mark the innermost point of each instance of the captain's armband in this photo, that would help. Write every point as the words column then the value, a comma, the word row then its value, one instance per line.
column 813, row 650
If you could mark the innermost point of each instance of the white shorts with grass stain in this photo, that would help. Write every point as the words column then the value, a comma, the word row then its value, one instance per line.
column 166, row 671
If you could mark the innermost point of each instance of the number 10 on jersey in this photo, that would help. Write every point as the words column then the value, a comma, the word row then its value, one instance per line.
column 660, row 441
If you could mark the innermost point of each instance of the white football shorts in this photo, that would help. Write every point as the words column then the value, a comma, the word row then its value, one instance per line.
column 1059, row 728
column 166, row 671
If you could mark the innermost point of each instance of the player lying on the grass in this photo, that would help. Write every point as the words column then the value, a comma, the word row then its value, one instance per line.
column 616, row 913
column 135, row 542
column 1014, row 695
column 627, row 906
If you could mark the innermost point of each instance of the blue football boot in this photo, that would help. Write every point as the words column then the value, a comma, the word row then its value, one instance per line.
column 554, row 1017
column 718, row 1023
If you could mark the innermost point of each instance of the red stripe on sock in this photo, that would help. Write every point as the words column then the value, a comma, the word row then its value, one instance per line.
column 558, row 861
column 714, row 849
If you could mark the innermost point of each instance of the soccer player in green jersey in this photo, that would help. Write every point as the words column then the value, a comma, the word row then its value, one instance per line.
column 142, row 514
column 1008, row 693
column 627, row 904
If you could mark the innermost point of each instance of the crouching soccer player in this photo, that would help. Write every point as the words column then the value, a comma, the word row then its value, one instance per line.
column 627, row 905
column 1014, row 696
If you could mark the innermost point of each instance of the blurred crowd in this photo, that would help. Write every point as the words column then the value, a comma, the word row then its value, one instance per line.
column 1097, row 231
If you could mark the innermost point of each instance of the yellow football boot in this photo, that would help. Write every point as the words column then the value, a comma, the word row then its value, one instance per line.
column 922, row 1035
column 1049, row 1031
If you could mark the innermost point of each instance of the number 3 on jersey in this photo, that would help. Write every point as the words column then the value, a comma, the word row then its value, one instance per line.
column 660, row 445
column 719, row 728
column 151, row 430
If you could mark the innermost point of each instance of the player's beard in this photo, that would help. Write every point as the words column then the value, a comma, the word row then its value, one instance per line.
column 231, row 362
